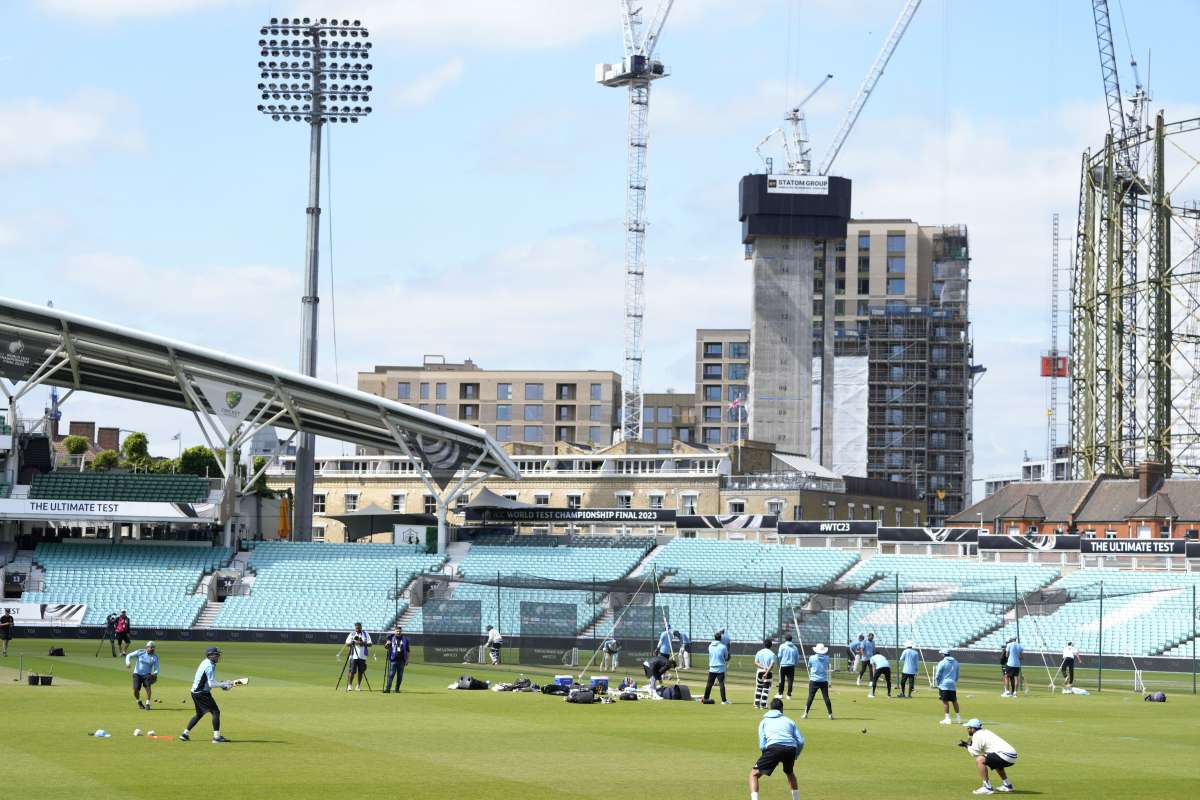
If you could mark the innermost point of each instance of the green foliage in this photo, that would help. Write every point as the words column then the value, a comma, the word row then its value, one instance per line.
column 199, row 460
column 163, row 466
column 106, row 460
column 75, row 445
column 260, row 487
column 135, row 451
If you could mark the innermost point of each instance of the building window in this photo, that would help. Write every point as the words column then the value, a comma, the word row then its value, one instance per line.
column 534, row 413
column 839, row 308
column 687, row 504
column 737, row 393
column 441, row 410
column 739, row 349
column 895, row 242
column 711, row 435
column 712, row 372
column 864, row 241
column 895, row 265
column 504, row 433
column 656, row 500
column 733, row 434
column 648, row 435
column 423, row 406
column 712, row 413
column 351, row 501
column 565, row 391
column 397, row 502
column 403, row 391
column 318, row 504
column 541, row 499
column 318, row 533
column 596, row 413
column 439, row 391
column 564, row 433
column 662, row 436
column 534, row 391
column 504, row 391
column 862, row 309
column 468, row 391
column 775, row 507
column 895, row 286
column 534, row 433
column 712, row 349
column 737, row 506
column 647, row 415
column 574, row 501
column 737, row 372
column 468, row 411
column 597, row 391
column 504, row 411
column 424, row 391
column 683, row 434
column 797, row 512
column 596, row 435
column 712, row 394
column 664, row 415
column 864, row 286
column 624, row 500
column 839, row 286
column 429, row 503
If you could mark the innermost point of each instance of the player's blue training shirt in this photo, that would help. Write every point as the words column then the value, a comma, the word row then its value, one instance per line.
column 910, row 660
column 776, row 729
column 1015, row 650
column 146, row 663
column 946, row 676
column 856, row 646
column 664, row 643
column 206, row 677
column 789, row 654
column 868, row 648
column 818, row 668
column 879, row 661
column 718, row 656
column 764, row 658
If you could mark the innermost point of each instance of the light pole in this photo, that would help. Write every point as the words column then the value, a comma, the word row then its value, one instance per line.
column 315, row 67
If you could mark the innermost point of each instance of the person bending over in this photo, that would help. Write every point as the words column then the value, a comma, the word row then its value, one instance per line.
column 779, row 744
column 656, row 668
column 818, row 679
column 880, row 668
column 1070, row 658
column 991, row 753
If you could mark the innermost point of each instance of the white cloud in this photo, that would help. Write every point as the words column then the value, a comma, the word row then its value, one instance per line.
column 425, row 87
column 97, row 9
column 36, row 132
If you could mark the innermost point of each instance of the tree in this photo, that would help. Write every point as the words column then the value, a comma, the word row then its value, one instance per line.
column 199, row 460
column 260, row 487
column 106, row 460
column 76, row 445
column 163, row 466
column 136, row 450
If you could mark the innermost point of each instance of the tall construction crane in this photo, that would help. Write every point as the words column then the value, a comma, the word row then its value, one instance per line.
column 796, row 146
column 636, row 71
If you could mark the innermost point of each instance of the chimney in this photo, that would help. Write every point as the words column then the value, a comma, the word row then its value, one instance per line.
column 108, row 439
column 1150, row 476
column 85, row 429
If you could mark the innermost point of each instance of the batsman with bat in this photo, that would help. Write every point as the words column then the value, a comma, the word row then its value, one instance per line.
column 202, row 686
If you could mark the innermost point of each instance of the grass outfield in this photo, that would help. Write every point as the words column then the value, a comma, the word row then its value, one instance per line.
column 294, row 737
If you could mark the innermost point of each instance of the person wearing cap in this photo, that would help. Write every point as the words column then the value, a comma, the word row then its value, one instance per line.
column 946, row 678
column 880, row 668
column 145, row 672
column 202, row 699
column 359, row 642
column 684, row 641
column 789, row 657
column 718, row 661
column 780, row 744
column 397, row 659
column 1070, row 657
column 991, row 753
column 910, row 662
column 764, row 663
column 818, row 679
column 1012, row 667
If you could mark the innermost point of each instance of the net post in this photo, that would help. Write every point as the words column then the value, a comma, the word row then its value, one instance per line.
column 780, row 613
column 1017, row 609
column 1100, row 649
column 595, row 617
column 691, row 634
column 764, row 620
column 498, row 602
column 1193, row 638
column 897, row 644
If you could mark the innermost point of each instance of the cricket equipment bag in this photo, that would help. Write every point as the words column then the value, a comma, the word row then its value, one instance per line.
column 1156, row 697
column 468, row 682
column 582, row 695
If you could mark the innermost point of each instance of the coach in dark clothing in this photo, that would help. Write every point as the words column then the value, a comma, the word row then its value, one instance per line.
column 397, row 658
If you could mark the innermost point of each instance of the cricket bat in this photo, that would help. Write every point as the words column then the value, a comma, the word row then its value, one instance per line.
column 240, row 681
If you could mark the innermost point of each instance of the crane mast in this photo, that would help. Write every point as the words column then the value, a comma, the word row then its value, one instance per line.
column 636, row 71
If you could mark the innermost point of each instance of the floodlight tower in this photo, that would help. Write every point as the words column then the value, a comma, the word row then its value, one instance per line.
column 635, row 71
column 316, row 66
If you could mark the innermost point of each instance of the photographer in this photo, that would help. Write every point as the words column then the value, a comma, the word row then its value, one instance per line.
column 123, row 627
column 359, row 642
column 110, row 633
column 397, row 659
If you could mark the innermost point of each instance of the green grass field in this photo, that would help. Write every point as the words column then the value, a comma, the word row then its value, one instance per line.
column 294, row 737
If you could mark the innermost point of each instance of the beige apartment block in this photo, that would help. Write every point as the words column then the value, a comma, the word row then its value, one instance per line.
column 531, row 407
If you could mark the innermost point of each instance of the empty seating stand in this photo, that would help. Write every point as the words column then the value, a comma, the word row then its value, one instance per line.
column 155, row 583
column 140, row 487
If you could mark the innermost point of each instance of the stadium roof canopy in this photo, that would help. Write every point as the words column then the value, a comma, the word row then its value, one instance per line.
column 88, row 355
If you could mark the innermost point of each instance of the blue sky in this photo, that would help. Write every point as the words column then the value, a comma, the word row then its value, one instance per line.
column 477, row 213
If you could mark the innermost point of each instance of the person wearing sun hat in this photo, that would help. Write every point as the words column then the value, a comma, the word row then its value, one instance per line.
column 818, row 679
column 991, row 753
column 910, row 662
column 946, row 678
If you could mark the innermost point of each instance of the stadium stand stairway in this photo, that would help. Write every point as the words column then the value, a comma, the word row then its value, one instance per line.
column 208, row 615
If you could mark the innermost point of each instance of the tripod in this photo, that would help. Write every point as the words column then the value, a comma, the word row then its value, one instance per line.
column 107, row 636
column 346, row 663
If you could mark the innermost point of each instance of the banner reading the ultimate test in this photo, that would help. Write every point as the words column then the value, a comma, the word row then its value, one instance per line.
column 117, row 510
column 65, row 614
column 547, row 632
column 829, row 528
column 1133, row 547
column 452, row 628
column 544, row 515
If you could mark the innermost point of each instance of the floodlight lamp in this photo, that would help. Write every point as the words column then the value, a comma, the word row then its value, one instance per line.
column 274, row 21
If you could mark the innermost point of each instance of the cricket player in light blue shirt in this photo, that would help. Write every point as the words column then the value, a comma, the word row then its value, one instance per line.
column 864, row 663
column 764, row 662
column 718, row 662
column 818, row 678
column 780, row 744
column 664, row 642
column 145, row 672
column 880, row 668
column 946, row 678
column 910, row 662
column 1012, row 667
column 789, row 657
